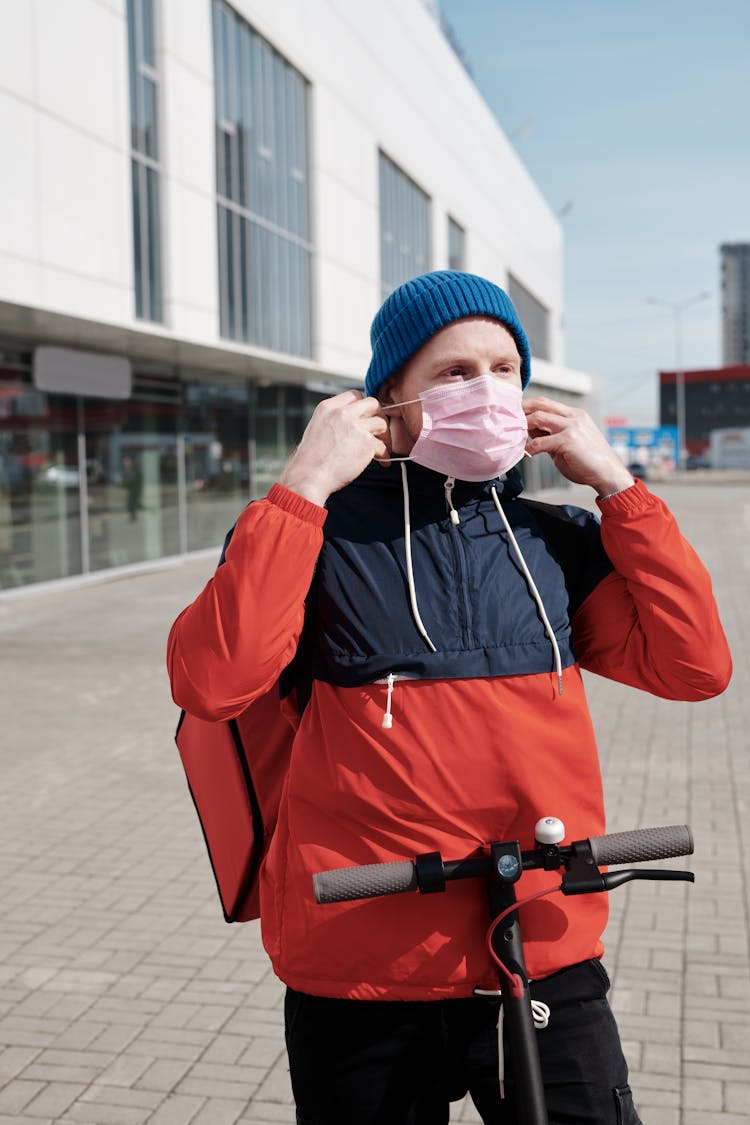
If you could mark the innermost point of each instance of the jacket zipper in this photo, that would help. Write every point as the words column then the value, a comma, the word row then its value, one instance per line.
column 459, row 555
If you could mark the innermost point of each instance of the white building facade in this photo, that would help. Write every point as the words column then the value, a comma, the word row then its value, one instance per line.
column 208, row 202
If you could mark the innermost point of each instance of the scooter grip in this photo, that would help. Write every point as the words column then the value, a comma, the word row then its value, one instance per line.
column 369, row 881
column 642, row 845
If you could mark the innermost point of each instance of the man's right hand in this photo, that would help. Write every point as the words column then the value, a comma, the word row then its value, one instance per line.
column 344, row 434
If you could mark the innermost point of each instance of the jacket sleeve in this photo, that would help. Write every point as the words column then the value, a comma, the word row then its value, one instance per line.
column 652, row 622
column 230, row 645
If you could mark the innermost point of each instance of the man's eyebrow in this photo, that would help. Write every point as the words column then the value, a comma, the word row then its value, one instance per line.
column 457, row 360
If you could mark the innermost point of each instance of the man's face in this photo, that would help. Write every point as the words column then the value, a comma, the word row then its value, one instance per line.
column 463, row 350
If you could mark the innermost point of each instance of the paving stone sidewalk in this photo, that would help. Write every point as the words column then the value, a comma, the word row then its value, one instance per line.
column 125, row 998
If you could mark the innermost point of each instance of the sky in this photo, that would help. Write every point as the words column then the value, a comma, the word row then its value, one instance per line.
column 633, row 118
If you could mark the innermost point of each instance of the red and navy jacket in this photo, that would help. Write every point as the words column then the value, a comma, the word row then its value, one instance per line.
column 314, row 605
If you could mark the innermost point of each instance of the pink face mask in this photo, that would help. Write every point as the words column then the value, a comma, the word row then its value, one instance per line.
column 474, row 430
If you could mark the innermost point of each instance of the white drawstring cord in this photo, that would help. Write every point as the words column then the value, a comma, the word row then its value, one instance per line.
column 409, row 569
column 540, row 1013
column 388, row 717
column 534, row 592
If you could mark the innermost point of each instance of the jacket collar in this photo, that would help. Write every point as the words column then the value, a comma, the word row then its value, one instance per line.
column 427, row 481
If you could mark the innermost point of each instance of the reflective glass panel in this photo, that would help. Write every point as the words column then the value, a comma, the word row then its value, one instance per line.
column 456, row 242
column 147, row 31
column 216, row 460
column 136, row 170
column 404, row 227
column 279, row 414
column 131, row 450
column 154, row 245
column 261, row 159
column 270, row 442
column 144, row 104
column 534, row 317
column 149, row 140
column 40, row 525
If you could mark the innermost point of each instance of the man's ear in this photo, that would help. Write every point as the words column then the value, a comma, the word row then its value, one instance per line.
column 384, row 396
column 386, row 392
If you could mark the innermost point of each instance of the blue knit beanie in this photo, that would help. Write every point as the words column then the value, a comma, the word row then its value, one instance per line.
column 413, row 313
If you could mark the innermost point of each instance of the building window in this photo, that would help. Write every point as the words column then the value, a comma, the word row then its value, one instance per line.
column 534, row 317
column 133, row 476
column 262, row 186
column 404, row 227
column 217, row 458
column 87, row 483
column 40, row 496
column 280, row 414
column 456, row 245
column 145, row 168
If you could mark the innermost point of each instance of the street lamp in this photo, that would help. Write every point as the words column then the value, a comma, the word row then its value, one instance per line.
column 678, row 308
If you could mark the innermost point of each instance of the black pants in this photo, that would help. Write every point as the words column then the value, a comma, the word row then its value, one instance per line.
column 373, row 1062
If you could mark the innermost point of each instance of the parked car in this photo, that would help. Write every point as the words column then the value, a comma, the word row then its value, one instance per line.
column 66, row 476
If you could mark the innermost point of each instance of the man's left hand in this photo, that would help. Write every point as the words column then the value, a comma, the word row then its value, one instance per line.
column 576, row 445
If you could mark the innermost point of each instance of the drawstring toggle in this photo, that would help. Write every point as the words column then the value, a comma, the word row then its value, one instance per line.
column 387, row 720
column 448, row 486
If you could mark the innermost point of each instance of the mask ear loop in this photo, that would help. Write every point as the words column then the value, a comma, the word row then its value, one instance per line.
column 407, row 402
column 393, row 405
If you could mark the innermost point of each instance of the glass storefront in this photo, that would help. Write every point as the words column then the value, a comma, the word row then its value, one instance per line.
column 40, row 522
column 87, row 484
column 280, row 415
column 131, row 450
column 217, row 459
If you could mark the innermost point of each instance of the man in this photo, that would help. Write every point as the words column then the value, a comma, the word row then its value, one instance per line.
column 441, row 623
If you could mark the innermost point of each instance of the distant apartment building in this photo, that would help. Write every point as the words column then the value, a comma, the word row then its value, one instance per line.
column 208, row 202
column 735, row 302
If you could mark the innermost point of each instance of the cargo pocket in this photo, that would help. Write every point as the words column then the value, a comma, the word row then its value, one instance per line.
column 625, row 1113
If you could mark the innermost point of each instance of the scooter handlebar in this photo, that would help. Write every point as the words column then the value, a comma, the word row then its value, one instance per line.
column 642, row 845
column 369, row 881
column 372, row 880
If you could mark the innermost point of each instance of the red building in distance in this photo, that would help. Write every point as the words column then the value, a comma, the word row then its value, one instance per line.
column 715, row 399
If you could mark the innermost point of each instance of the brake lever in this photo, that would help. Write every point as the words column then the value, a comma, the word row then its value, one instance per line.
column 584, row 883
